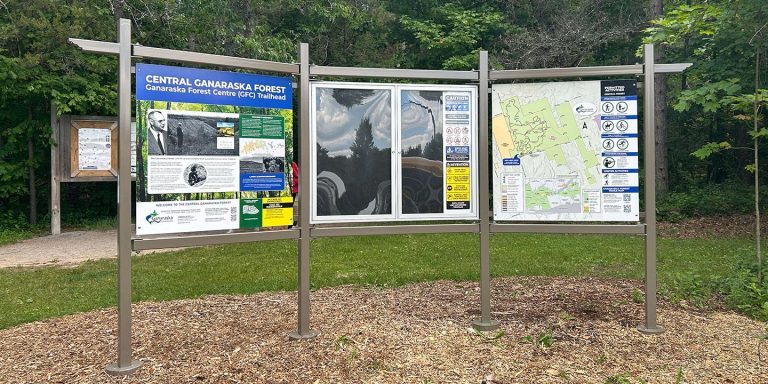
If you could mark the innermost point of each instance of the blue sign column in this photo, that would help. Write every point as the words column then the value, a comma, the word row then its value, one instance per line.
column 619, row 140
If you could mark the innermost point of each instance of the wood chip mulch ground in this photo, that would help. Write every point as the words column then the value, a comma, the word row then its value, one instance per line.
column 732, row 226
column 553, row 330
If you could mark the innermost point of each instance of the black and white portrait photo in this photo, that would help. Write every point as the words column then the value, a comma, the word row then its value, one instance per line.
column 191, row 133
column 157, row 134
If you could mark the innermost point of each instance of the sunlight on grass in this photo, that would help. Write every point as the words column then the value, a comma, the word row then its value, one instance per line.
column 28, row 294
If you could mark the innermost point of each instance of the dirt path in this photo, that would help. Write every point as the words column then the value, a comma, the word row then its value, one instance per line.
column 65, row 249
column 553, row 330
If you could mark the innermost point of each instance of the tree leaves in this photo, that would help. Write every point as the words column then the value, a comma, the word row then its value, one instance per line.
column 710, row 96
column 710, row 149
column 450, row 35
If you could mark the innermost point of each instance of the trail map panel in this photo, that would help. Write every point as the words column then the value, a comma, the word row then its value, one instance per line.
column 565, row 151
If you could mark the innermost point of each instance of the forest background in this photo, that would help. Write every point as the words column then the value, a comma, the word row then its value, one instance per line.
column 705, row 125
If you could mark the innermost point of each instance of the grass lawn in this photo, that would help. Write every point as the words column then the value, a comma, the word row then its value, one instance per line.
column 28, row 294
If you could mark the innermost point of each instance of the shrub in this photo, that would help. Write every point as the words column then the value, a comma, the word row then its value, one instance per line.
column 709, row 200
column 744, row 293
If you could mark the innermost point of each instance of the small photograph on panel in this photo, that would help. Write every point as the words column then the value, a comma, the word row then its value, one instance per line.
column 195, row 175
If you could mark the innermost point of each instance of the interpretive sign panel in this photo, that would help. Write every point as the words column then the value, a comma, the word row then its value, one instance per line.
column 566, row 151
column 393, row 152
column 211, row 151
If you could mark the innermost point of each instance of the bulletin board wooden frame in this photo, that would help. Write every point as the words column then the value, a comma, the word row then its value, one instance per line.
column 75, row 126
column 66, row 137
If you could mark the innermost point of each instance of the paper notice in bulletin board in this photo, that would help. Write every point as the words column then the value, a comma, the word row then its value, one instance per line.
column 94, row 149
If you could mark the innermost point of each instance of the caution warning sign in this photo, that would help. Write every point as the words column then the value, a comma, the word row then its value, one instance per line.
column 277, row 211
column 457, row 188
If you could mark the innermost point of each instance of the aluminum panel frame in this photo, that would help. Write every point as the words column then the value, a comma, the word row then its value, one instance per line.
column 626, row 229
column 394, row 230
column 144, row 244
column 210, row 59
column 394, row 73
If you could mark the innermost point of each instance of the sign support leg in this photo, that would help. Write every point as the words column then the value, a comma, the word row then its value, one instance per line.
column 650, row 327
column 125, row 364
column 484, row 323
column 303, row 331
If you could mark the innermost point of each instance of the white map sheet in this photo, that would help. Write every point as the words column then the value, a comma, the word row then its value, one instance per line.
column 554, row 158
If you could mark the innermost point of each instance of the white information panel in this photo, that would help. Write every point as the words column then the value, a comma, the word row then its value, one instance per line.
column 565, row 151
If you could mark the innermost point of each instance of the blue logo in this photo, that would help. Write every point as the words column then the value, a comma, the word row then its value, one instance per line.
column 513, row 161
column 153, row 218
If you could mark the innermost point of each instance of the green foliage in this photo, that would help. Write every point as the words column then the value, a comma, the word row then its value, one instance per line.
column 744, row 293
column 710, row 149
column 623, row 378
column 710, row 96
column 746, row 103
column 342, row 342
column 15, row 227
column 722, row 38
column 690, row 286
column 543, row 340
column 488, row 337
column 38, row 67
column 602, row 359
column 679, row 378
column 709, row 200
column 738, row 286
column 451, row 35
column 684, row 22
column 743, row 105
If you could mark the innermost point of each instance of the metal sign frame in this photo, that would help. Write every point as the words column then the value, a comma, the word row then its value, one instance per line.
column 126, row 364
column 648, row 228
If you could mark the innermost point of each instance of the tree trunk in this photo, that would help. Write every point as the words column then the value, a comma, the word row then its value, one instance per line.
column 32, row 179
column 118, row 7
column 757, row 171
column 660, row 123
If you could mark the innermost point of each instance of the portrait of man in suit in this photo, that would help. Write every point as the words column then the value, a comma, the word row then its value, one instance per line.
column 158, row 140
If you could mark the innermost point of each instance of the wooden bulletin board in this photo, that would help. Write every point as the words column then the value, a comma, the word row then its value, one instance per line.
column 93, row 148
column 87, row 132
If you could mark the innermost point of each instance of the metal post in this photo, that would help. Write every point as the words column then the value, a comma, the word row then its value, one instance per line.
column 55, row 164
column 485, row 323
column 303, row 331
column 125, row 364
column 650, row 326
